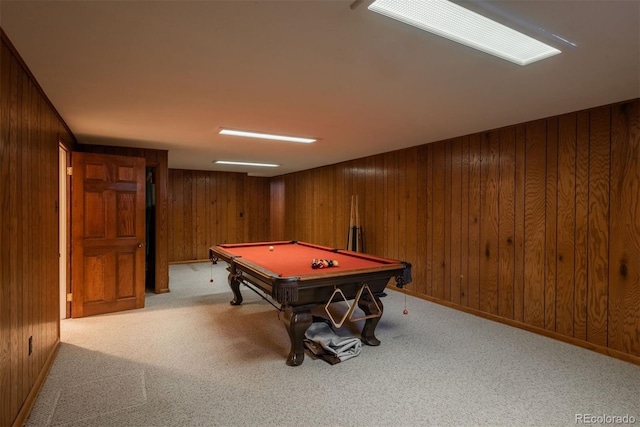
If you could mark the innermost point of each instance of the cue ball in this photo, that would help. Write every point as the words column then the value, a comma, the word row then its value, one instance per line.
column 270, row 248
column 335, row 262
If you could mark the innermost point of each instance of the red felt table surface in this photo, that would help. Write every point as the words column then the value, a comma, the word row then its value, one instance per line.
column 294, row 259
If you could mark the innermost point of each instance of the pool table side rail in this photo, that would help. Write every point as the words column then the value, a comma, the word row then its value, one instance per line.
column 250, row 244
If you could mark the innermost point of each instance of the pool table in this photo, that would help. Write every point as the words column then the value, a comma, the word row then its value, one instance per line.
column 283, row 270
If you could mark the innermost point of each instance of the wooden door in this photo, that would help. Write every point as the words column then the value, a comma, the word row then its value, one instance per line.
column 108, row 222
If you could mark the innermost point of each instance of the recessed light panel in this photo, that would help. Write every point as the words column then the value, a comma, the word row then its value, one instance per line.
column 449, row 20
column 226, row 162
column 266, row 136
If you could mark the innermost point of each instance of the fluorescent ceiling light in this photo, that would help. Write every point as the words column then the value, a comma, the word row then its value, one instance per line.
column 266, row 165
column 449, row 20
column 266, row 136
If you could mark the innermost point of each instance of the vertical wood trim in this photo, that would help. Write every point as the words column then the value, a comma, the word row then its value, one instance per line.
column 277, row 208
column 422, row 232
column 447, row 223
column 393, row 205
column 581, row 237
column 438, row 219
column 464, row 219
column 474, row 221
column 506, row 224
column 429, row 219
column 534, row 224
column 456, row 219
column 521, row 167
column 342, row 205
column 201, row 236
column 598, row 226
column 187, row 193
column 566, row 214
column 410, row 202
column 551, row 205
column 178, row 215
column 489, row 220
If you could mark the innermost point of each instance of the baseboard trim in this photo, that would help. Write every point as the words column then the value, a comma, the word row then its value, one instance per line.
column 189, row 261
column 24, row 412
column 537, row 330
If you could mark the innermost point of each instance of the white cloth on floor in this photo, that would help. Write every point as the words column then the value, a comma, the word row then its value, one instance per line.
column 343, row 348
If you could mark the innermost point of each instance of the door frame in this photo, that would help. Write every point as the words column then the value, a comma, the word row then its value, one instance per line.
column 64, row 234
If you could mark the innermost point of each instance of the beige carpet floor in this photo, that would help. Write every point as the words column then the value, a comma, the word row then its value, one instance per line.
column 191, row 359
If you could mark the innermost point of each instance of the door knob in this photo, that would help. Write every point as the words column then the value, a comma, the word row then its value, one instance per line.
column 140, row 244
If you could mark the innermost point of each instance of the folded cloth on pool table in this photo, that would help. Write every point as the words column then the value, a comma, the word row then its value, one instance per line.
column 342, row 348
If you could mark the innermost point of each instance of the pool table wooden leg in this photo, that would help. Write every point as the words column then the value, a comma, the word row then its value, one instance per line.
column 369, row 307
column 297, row 323
column 234, row 284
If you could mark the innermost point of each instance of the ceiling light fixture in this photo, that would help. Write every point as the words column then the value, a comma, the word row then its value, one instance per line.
column 226, row 162
column 454, row 22
column 266, row 136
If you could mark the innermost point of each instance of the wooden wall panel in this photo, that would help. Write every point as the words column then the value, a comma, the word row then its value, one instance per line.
column 439, row 212
column 489, row 221
column 257, row 213
column 464, row 220
column 423, row 234
column 393, row 209
column 202, row 212
column 581, row 236
column 277, row 208
column 624, row 253
column 523, row 223
column 534, row 223
column 176, row 215
column 209, row 208
column 506, row 222
column 6, row 205
column 456, row 220
column 518, row 281
column 410, row 204
column 342, row 198
column 159, row 159
column 598, row 228
column 446, row 265
column 551, row 225
column 430, row 265
column 29, row 271
column 474, row 221
column 188, row 243
column 565, row 243
column 373, row 214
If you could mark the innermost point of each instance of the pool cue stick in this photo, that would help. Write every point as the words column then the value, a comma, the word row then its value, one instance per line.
column 356, row 229
column 361, row 237
column 350, row 236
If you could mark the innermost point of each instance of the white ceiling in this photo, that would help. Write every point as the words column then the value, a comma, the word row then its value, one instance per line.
column 170, row 74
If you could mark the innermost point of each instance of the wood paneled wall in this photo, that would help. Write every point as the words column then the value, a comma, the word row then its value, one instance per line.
column 157, row 159
column 30, row 132
column 208, row 208
column 536, row 224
